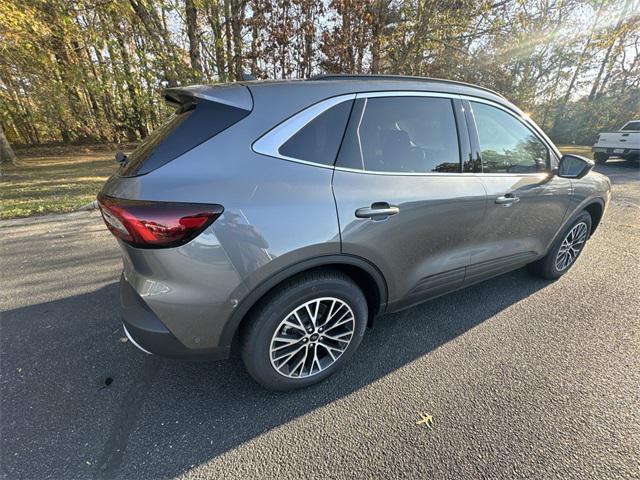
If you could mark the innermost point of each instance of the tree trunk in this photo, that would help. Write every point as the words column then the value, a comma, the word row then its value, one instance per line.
column 160, row 39
column 7, row 157
column 216, row 28
column 580, row 62
column 191, row 14
column 227, row 33
column 236, row 26
column 605, row 60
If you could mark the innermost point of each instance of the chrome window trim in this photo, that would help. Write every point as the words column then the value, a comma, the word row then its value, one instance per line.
column 270, row 142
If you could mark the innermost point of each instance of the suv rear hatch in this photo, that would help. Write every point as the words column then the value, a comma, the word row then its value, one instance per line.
column 201, row 113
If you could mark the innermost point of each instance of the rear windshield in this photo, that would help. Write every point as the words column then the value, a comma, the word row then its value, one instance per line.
column 633, row 126
column 179, row 134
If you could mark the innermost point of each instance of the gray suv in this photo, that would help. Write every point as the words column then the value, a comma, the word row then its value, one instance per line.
column 282, row 218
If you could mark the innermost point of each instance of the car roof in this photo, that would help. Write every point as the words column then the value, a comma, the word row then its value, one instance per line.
column 344, row 84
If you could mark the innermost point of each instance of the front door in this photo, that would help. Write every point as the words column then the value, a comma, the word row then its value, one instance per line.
column 401, row 199
column 526, row 204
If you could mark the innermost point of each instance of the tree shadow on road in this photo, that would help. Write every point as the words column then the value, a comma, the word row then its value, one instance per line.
column 159, row 418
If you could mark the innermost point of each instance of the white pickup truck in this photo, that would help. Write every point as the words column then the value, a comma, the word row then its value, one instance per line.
column 624, row 143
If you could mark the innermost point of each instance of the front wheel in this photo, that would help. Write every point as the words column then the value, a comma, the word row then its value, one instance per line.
column 305, row 330
column 565, row 250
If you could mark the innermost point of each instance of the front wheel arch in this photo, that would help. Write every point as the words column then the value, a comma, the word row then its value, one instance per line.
column 595, row 209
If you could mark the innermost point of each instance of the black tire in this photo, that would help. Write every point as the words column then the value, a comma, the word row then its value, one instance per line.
column 547, row 267
column 600, row 157
column 263, row 322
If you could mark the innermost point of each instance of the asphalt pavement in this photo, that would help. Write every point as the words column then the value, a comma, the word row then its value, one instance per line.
column 524, row 378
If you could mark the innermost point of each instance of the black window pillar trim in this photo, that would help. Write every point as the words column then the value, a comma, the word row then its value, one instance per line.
column 475, row 165
column 464, row 145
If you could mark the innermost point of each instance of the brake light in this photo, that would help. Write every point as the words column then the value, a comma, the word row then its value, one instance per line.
column 148, row 224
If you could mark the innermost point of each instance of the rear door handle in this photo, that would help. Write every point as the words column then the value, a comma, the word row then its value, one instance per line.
column 508, row 199
column 377, row 211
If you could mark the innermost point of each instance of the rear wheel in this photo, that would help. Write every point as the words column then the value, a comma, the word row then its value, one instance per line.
column 600, row 157
column 565, row 250
column 304, row 331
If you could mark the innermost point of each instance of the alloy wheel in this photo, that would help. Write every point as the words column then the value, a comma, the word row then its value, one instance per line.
column 312, row 337
column 571, row 246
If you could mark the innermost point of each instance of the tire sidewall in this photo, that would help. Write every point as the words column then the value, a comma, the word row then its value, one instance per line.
column 273, row 312
column 600, row 158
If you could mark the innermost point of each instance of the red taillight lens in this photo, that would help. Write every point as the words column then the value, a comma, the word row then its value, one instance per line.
column 156, row 224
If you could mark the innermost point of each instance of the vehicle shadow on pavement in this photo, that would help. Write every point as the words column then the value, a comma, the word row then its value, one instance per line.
column 159, row 418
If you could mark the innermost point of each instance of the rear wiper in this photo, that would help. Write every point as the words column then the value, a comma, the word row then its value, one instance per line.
column 121, row 158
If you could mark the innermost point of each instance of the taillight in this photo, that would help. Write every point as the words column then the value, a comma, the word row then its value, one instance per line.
column 148, row 224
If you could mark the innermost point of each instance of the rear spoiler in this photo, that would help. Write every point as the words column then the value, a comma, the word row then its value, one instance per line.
column 186, row 98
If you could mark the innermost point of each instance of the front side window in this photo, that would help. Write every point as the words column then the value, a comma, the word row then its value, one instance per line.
column 401, row 134
column 506, row 144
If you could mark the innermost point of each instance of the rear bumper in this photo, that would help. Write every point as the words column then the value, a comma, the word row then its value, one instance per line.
column 147, row 332
column 616, row 150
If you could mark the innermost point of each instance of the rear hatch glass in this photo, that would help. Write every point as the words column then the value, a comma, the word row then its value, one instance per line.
column 192, row 124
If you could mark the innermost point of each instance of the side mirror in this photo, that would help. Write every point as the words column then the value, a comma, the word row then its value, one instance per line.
column 574, row 166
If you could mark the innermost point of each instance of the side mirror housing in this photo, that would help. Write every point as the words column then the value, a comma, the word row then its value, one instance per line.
column 574, row 166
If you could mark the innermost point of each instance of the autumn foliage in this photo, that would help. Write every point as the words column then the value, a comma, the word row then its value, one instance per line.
column 91, row 70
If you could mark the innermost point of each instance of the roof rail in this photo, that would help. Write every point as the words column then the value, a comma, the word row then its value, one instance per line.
column 351, row 76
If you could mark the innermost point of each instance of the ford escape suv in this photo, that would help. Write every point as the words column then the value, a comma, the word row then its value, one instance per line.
column 281, row 218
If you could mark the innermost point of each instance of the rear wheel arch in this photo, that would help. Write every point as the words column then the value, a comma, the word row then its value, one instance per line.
column 362, row 272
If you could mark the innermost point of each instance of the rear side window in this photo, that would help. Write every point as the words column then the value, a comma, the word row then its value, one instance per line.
column 506, row 144
column 319, row 140
column 632, row 126
column 402, row 134
column 179, row 134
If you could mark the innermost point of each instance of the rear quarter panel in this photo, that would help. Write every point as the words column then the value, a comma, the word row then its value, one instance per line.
column 276, row 213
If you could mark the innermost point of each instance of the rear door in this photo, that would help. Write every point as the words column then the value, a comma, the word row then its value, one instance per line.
column 402, row 201
column 526, row 203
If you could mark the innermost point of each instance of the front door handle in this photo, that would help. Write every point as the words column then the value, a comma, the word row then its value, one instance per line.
column 508, row 199
column 377, row 211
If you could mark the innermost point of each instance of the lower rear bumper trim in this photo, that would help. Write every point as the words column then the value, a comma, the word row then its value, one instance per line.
column 126, row 332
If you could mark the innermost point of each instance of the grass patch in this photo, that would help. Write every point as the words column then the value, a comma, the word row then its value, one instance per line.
column 583, row 150
column 55, row 183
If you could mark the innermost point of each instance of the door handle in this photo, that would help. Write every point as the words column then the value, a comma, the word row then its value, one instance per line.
column 377, row 211
column 508, row 199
